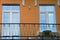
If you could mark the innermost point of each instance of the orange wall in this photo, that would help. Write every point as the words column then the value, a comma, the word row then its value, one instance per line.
column 30, row 15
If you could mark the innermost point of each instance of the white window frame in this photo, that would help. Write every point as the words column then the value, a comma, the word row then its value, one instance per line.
column 11, row 12
column 47, row 12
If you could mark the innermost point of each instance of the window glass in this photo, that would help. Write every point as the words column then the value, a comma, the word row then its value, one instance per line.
column 15, row 8
column 42, row 18
column 47, row 15
column 11, row 16
column 11, row 7
column 6, row 17
column 6, row 8
column 51, row 18
column 47, row 8
column 15, row 17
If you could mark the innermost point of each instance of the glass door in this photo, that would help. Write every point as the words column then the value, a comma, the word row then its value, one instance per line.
column 11, row 20
column 47, row 16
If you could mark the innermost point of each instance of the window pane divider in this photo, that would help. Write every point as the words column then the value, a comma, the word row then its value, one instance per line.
column 10, row 11
column 48, row 12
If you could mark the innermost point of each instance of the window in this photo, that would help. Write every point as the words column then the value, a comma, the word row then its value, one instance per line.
column 47, row 15
column 10, row 14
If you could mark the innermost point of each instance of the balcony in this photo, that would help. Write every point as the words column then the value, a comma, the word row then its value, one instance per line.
column 31, row 31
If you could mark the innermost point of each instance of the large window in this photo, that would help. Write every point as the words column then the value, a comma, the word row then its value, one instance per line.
column 10, row 14
column 47, row 15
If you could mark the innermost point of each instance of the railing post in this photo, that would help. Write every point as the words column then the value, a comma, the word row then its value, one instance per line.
column 47, row 26
column 12, row 37
column 28, row 38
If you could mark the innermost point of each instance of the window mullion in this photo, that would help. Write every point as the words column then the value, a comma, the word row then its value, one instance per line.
column 10, row 16
column 47, row 21
column 51, row 12
column 10, row 22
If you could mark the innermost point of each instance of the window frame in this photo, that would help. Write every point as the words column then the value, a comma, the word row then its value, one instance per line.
column 47, row 12
column 10, row 12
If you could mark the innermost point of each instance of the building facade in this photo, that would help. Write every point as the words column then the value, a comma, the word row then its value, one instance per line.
column 22, row 17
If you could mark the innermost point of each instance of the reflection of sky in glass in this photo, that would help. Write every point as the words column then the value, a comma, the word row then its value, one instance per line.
column 6, row 17
column 11, row 7
column 42, row 18
column 43, row 27
column 15, row 17
column 15, row 30
column 47, row 8
column 6, row 30
column 51, row 17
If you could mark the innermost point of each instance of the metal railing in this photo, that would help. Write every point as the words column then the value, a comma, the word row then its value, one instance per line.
column 29, row 31
column 31, row 37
